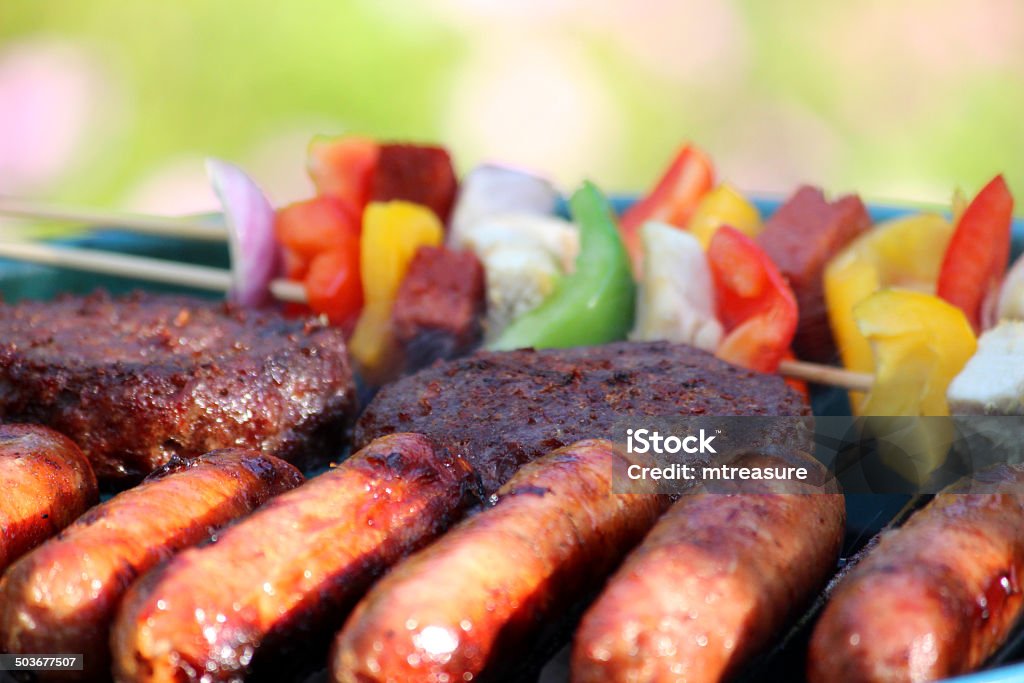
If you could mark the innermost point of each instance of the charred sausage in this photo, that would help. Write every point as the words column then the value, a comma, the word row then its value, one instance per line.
column 292, row 569
column 46, row 482
column 934, row 598
column 62, row 596
column 715, row 580
column 476, row 599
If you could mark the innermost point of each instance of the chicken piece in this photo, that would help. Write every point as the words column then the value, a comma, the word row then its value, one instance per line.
column 992, row 382
column 676, row 299
column 523, row 255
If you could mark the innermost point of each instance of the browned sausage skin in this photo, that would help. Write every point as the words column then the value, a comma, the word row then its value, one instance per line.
column 62, row 596
column 292, row 568
column 934, row 598
column 46, row 482
column 715, row 580
column 473, row 601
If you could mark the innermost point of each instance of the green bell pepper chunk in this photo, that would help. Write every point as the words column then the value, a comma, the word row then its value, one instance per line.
column 592, row 305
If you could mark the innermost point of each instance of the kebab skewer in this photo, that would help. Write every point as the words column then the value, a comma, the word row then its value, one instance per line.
column 506, row 218
column 245, row 205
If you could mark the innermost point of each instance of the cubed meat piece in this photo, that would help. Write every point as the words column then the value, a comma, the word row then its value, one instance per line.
column 439, row 307
column 801, row 238
column 415, row 173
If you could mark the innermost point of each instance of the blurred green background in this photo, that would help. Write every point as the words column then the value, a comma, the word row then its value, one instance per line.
column 115, row 102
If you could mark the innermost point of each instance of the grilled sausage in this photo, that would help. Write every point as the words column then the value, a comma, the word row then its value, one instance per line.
column 934, row 598
column 714, row 582
column 62, row 596
column 478, row 598
column 292, row 569
column 46, row 483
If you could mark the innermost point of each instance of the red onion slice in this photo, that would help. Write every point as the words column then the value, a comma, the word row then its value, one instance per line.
column 256, row 256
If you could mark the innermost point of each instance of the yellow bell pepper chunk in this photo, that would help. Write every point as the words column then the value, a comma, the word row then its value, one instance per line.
column 723, row 205
column 392, row 233
column 905, row 253
column 920, row 343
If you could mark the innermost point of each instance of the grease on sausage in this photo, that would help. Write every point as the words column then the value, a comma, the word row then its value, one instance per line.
column 934, row 598
column 476, row 600
column 715, row 581
column 292, row 569
column 46, row 483
column 62, row 596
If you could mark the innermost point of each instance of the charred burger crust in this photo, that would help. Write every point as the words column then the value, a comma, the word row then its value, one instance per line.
column 501, row 409
column 138, row 379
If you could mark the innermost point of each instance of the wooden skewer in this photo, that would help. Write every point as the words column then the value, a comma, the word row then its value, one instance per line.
column 142, row 268
column 190, row 228
column 827, row 374
column 219, row 280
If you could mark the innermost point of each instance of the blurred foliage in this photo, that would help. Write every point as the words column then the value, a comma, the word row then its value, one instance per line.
column 897, row 100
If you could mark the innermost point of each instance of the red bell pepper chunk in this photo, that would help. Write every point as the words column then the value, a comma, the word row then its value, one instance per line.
column 313, row 226
column 979, row 252
column 673, row 199
column 334, row 286
column 343, row 168
column 756, row 306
